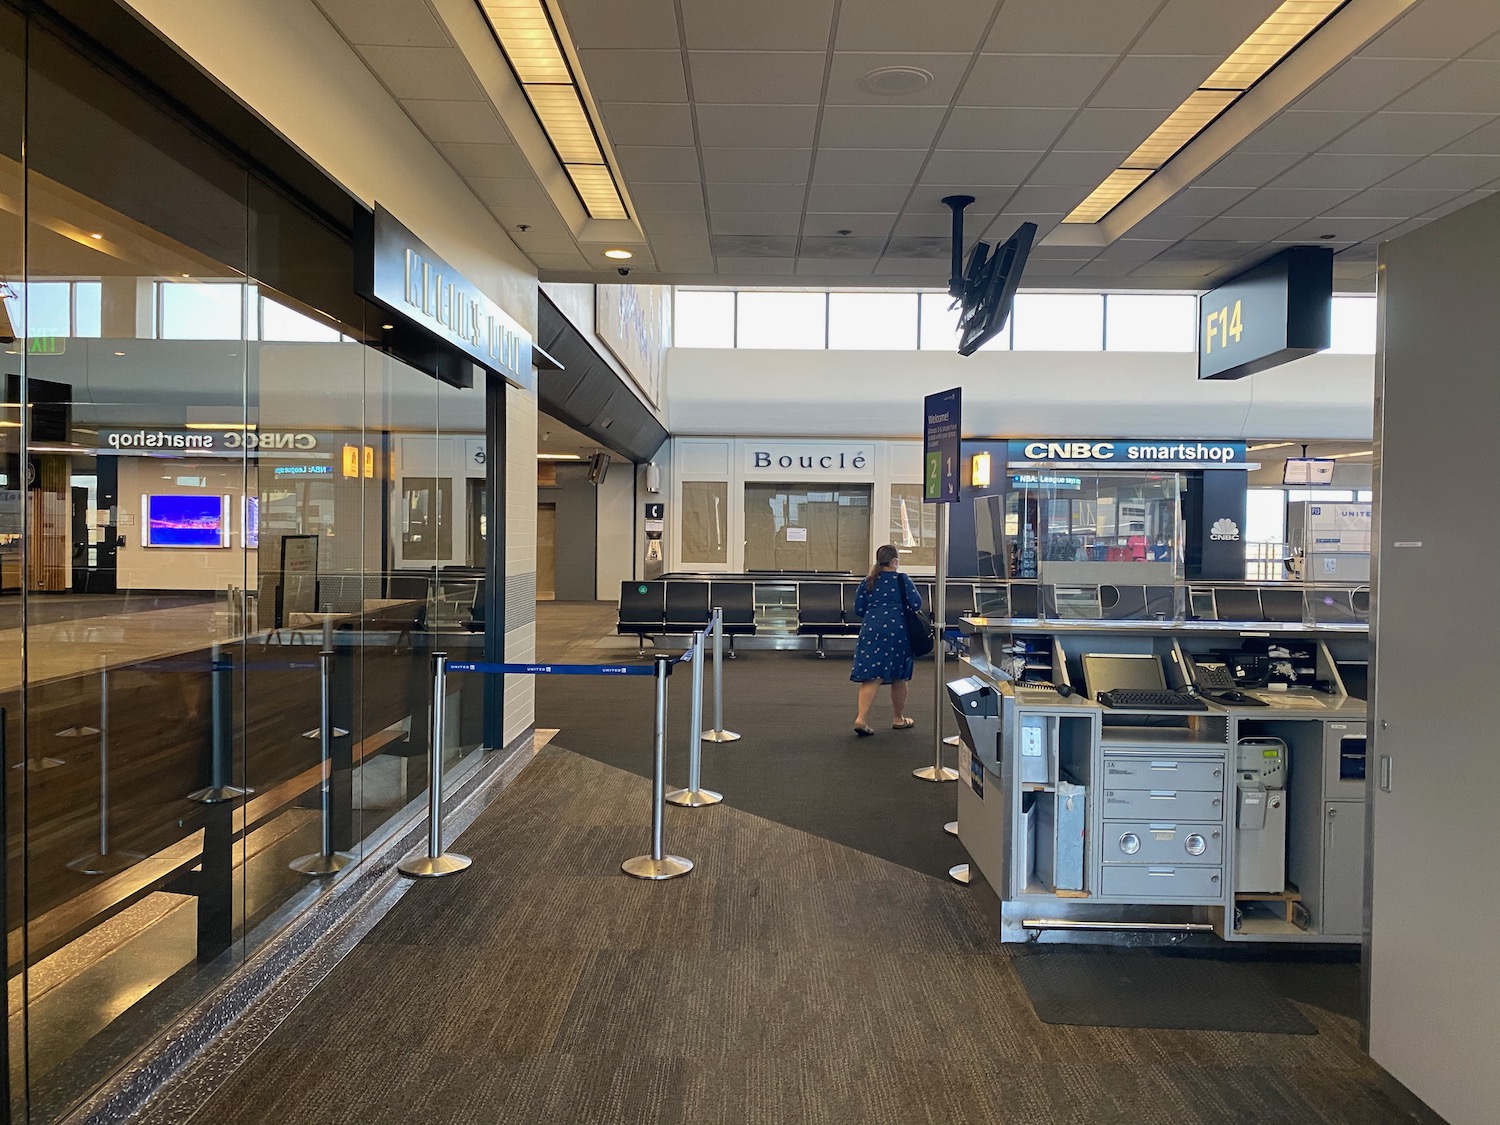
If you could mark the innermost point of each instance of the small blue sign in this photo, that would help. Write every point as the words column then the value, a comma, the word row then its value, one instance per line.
column 941, row 431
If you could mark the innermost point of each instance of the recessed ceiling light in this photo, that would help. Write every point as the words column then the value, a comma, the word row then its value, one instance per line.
column 618, row 254
column 119, row 353
column 95, row 234
column 894, row 81
column 1327, row 237
column 387, row 327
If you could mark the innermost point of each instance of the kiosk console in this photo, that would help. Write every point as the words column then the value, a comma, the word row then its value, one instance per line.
column 1165, row 775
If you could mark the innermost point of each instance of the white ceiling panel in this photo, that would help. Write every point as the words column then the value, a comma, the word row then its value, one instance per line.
column 1154, row 81
column 899, row 126
column 756, row 222
column 1187, row 27
column 835, row 267
column 1020, row 129
column 685, row 265
column 1105, row 268
column 862, row 224
column 757, row 165
column 731, row 267
column 1382, row 202
column 1069, row 26
column 1366, row 84
column 648, row 123
column 667, row 196
column 913, row 225
column 1327, row 171
column 757, row 77
column 534, row 243
column 757, row 126
column 1034, row 80
column 756, row 197
column 677, row 245
column 394, row 23
column 658, row 164
column 1436, row 29
column 899, row 25
column 1447, row 171
column 867, row 165
column 849, row 67
column 1344, row 230
column 1104, row 130
column 1076, row 168
column 1134, row 249
column 1247, row 169
column 634, row 75
column 1466, row 85
column 496, row 162
column 609, row 23
column 423, row 72
column 766, row 25
column 850, row 247
column 1201, row 202
column 674, row 223
column 1482, row 141
column 1467, row 199
column 524, row 199
column 1416, row 133
column 1290, row 201
column 1047, row 199
column 980, row 168
column 1245, row 228
column 1489, row 49
column 473, row 122
column 857, row 197
column 1301, row 130
column 754, row 245
column 559, row 262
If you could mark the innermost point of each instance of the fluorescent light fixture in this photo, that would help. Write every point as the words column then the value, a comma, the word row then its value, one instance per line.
column 1361, row 453
column 979, row 475
column 618, row 254
column 559, row 457
column 528, row 37
column 1281, row 33
column 1272, row 445
column 219, row 425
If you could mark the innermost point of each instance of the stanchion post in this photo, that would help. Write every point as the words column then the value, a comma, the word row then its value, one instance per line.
column 695, row 796
column 221, row 785
column 658, row 865
column 104, row 861
column 937, row 771
column 436, row 862
column 325, row 861
column 718, row 734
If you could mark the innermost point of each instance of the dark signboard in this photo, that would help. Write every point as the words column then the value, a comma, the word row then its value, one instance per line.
column 940, row 438
column 1271, row 314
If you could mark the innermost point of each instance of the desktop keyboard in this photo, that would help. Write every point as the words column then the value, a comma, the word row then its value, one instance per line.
column 1151, row 699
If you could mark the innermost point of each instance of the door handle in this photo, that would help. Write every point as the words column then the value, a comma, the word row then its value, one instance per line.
column 1385, row 773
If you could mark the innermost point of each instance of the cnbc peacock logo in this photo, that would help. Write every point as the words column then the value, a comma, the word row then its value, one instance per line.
column 1225, row 531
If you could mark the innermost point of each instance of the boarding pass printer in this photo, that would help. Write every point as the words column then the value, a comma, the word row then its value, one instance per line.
column 1260, row 816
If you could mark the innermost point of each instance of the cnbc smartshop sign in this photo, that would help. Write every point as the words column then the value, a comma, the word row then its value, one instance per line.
column 1129, row 453
column 205, row 441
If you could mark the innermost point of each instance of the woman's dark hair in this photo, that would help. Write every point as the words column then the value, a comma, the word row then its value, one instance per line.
column 883, row 558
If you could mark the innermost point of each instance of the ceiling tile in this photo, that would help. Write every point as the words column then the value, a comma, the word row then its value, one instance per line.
column 1047, row 199
column 1157, row 225
column 1108, row 130
column 1418, row 133
column 608, row 23
column 1466, row 85
column 1437, row 29
column 1075, row 168
column 919, row 249
column 658, row 164
column 1105, row 267
column 1247, row 169
column 1484, row 141
column 756, row 197
column 757, row 126
column 1344, row 230
column 656, row 223
column 423, row 72
column 1489, row 49
column 732, row 267
column 861, row 223
column 835, row 267
column 1447, row 171
column 634, row 75
column 756, row 222
column 667, row 196
column 1019, row 129
column 857, row 197
column 559, row 262
column 1154, row 81
column 756, row 165
column 849, row 67
column 1064, row 81
column 1041, row 267
column 396, row 23
column 1405, row 228
column 523, row 201
column 475, row 122
column 929, row 226
column 1003, row 225
column 1356, row 172
column 1068, row 26
column 1134, row 249
column 1245, row 228
column 685, row 264
column 899, row 25
column 762, row 77
column 648, row 123
column 534, row 243
column 1202, row 202
column 1186, row 27
column 754, row 245
column 847, row 247
column 1380, row 203
column 679, row 245
column 895, row 126
column 867, row 165
column 499, row 162
column 1467, row 199
column 1366, row 84
column 766, row 25
column 1290, row 201
column 1299, row 130
column 985, row 168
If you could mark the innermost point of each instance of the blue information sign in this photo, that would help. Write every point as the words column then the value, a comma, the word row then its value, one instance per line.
column 941, row 430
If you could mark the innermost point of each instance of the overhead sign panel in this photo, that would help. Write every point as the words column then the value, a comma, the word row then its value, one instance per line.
column 941, row 429
column 1273, row 313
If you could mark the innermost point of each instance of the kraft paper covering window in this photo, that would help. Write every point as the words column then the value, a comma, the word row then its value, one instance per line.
column 807, row 527
column 705, row 510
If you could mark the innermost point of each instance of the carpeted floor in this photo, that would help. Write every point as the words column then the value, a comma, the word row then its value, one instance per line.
column 788, row 979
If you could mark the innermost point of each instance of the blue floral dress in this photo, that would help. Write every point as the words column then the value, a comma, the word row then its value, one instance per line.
column 882, row 652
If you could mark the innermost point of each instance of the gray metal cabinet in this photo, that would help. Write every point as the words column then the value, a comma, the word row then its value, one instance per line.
column 1343, row 868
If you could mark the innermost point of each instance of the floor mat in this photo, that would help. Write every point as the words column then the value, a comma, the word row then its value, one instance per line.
column 1140, row 989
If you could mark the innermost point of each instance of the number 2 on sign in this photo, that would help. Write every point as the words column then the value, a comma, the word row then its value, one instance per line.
column 1223, row 323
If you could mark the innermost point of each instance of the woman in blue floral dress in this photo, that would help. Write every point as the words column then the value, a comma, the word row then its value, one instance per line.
column 882, row 654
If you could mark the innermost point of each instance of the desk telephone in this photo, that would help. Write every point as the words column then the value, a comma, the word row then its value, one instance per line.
column 1212, row 678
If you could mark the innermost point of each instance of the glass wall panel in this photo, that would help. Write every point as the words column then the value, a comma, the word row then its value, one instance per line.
column 939, row 323
column 782, row 320
column 1058, row 322
column 1352, row 330
column 824, row 527
column 705, row 519
column 1150, row 322
column 702, row 319
column 872, row 321
column 913, row 526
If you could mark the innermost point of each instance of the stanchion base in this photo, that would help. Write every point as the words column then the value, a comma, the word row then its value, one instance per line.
column 426, row 867
column 720, row 736
column 951, row 740
column 951, row 828
column 100, row 864
column 317, row 732
column 961, row 873
column 319, row 864
column 37, row 765
column 935, row 773
column 667, row 867
column 694, row 798
column 218, row 794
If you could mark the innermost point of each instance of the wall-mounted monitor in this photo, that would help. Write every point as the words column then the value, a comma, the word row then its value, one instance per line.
column 252, row 522
column 1308, row 470
column 185, row 521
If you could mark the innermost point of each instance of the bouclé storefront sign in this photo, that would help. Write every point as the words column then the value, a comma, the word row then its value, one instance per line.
column 808, row 461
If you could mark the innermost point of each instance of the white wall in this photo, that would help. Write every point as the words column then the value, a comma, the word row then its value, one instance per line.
column 614, row 531
column 181, row 568
column 576, row 302
column 1012, row 394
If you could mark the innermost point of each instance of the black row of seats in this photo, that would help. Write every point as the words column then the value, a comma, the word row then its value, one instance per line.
column 654, row 609
column 826, row 609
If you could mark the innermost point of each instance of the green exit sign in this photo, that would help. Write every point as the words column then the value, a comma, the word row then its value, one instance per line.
column 46, row 345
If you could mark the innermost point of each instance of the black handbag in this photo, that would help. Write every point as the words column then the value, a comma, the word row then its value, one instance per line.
column 919, row 631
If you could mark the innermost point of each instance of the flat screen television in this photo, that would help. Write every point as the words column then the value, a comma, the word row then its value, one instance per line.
column 990, row 288
column 1308, row 470
column 185, row 521
column 252, row 522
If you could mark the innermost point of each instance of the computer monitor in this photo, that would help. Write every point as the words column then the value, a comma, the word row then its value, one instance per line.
column 1282, row 603
column 1107, row 671
column 1237, row 604
column 1307, row 470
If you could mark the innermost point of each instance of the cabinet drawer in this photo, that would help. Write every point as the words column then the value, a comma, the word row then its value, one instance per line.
column 1163, row 804
column 1164, row 883
column 1137, row 841
column 1163, row 773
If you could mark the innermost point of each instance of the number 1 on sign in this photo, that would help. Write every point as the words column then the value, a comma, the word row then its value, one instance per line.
column 1223, row 323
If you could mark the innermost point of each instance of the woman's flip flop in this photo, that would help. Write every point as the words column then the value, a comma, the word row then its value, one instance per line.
column 863, row 732
column 905, row 724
